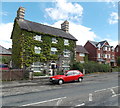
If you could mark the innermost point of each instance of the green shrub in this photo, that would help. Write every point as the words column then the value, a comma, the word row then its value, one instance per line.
column 38, row 74
column 91, row 67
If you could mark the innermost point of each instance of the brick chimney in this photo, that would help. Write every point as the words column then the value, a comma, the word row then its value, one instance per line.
column 21, row 13
column 65, row 26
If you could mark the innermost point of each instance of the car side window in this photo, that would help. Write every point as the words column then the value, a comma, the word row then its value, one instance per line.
column 69, row 73
column 76, row 73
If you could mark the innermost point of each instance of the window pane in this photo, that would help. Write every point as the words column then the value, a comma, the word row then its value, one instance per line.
column 54, row 40
column 66, row 42
column 37, row 37
column 37, row 50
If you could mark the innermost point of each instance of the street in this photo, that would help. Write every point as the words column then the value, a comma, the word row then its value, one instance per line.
column 95, row 90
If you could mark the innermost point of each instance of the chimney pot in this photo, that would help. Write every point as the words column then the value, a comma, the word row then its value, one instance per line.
column 65, row 26
column 21, row 13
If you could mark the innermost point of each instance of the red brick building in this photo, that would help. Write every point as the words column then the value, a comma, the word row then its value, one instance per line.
column 101, row 52
column 81, row 54
column 117, row 51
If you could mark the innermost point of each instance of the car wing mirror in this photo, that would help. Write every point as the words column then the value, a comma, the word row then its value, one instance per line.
column 66, row 74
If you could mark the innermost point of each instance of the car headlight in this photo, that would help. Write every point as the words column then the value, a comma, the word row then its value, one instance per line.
column 53, row 78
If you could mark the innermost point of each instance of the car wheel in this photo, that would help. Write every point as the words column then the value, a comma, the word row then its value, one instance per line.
column 80, row 79
column 60, row 81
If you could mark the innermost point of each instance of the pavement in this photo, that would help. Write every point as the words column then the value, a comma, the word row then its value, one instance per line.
column 41, row 80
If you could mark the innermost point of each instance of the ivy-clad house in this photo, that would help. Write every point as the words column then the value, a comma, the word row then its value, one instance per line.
column 41, row 47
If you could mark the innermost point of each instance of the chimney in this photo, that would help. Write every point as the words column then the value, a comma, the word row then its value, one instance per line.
column 65, row 26
column 21, row 13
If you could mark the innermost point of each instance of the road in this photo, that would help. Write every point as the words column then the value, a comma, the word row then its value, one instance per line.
column 95, row 90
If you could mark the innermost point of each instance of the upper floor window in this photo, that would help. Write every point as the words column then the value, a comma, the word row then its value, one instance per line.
column 113, row 56
column 98, row 55
column 38, row 38
column 112, row 49
column 66, row 53
column 105, row 48
column 37, row 50
column 105, row 55
column 54, row 40
column 82, row 54
column 53, row 50
column 117, row 49
column 98, row 46
column 66, row 42
column 108, row 56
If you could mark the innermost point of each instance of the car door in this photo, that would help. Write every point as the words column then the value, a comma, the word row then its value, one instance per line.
column 76, row 75
column 69, row 76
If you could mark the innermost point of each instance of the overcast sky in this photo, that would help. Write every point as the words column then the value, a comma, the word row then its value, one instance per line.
column 96, row 21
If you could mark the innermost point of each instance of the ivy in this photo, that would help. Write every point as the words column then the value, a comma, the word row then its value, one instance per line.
column 24, row 43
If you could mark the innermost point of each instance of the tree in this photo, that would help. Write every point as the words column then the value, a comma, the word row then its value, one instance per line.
column 118, row 61
column 5, row 59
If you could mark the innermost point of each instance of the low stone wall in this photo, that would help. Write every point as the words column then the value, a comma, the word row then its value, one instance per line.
column 14, row 74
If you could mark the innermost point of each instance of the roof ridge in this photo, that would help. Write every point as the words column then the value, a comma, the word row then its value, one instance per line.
column 45, row 25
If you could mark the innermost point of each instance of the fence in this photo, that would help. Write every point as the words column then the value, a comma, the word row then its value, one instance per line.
column 14, row 74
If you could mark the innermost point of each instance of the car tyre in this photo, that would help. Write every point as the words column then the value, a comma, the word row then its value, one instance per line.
column 80, row 79
column 60, row 81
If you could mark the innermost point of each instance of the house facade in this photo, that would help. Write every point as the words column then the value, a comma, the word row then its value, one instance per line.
column 41, row 47
column 81, row 54
column 117, row 52
column 101, row 52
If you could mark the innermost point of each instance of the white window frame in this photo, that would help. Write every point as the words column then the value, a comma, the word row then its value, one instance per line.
column 53, row 50
column 112, row 49
column 105, row 48
column 54, row 40
column 105, row 55
column 82, row 54
column 66, row 53
column 113, row 57
column 66, row 42
column 37, row 50
column 98, row 55
column 82, row 61
column 38, row 37
column 98, row 46
column 108, row 56
column 117, row 49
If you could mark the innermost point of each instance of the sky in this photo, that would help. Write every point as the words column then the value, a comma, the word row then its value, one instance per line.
column 95, row 21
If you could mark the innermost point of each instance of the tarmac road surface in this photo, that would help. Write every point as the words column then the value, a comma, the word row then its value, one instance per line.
column 95, row 90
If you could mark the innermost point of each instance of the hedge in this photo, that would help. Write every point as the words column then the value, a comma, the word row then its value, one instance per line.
column 91, row 67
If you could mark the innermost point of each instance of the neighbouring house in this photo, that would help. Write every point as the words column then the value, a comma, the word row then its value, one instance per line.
column 81, row 54
column 117, row 52
column 41, row 47
column 5, row 55
column 101, row 52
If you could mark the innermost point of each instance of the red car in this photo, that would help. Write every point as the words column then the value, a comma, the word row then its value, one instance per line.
column 71, row 75
column 4, row 67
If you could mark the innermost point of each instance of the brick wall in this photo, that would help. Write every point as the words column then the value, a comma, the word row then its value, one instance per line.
column 79, row 58
column 92, row 51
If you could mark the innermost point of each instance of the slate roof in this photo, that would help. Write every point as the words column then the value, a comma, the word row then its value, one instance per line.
column 96, row 43
column 81, row 49
column 4, row 51
column 37, row 27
